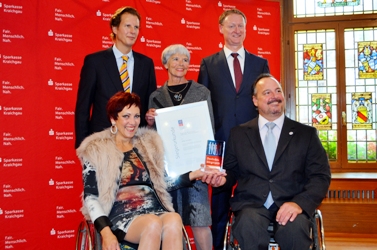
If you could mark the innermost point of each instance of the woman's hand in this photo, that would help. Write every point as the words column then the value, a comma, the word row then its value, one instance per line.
column 212, row 176
column 149, row 117
column 109, row 241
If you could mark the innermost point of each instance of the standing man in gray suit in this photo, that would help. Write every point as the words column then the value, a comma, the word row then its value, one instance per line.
column 100, row 76
column 229, row 75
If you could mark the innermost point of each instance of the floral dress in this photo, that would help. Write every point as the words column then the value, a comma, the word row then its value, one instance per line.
column 135, row 195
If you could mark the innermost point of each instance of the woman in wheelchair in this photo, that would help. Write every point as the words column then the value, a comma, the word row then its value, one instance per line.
column 125, row 185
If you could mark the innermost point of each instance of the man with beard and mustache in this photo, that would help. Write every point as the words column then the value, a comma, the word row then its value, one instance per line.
column 285, row 188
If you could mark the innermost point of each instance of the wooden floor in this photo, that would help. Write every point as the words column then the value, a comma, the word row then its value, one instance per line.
column 350, row 243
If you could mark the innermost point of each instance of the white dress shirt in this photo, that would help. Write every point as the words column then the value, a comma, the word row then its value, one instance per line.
column 230, row 59
column 130, row 63
column 276, row 130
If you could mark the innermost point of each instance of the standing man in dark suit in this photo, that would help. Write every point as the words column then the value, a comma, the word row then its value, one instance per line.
column 100, row 75
column 284, row 187
column 231, row 102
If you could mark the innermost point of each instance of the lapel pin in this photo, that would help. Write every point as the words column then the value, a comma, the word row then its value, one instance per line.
column 291, row 133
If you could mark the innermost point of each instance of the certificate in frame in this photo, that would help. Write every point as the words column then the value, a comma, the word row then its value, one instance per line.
column 184, row 130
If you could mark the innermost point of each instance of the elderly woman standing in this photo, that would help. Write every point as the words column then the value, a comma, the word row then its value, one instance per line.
column 125, row 186
column 191, row 203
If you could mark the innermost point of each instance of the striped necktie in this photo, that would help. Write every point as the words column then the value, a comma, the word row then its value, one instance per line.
column 124, row 77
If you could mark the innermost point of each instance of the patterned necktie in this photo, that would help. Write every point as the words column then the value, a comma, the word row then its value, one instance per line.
column 237, row 71
column 269, row 150
column 124, row 77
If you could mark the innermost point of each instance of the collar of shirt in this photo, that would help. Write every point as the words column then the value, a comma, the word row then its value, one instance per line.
column 241, row 53
column 130, row 63
column 277, row 129
column 118, row 56
column 229, row 59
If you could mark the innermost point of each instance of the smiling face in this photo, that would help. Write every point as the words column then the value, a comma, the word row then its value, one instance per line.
column 127, row 123
column 269, row 98
column 177, row 66
column 127, row 32
column 234, row 30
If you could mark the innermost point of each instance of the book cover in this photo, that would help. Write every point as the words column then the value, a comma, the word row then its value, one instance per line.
column 215, row 153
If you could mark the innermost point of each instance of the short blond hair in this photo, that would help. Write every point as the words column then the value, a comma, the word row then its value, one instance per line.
column 229, row 12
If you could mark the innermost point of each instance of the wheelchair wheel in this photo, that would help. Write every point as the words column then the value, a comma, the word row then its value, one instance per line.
column 230, row 242
column 318, row 231
column 87, row 238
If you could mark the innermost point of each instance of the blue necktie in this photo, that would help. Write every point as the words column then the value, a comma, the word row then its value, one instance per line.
column 269, row 150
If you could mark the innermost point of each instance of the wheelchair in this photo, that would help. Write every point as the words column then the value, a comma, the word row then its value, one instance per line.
column 317, row 233
column 87, row 238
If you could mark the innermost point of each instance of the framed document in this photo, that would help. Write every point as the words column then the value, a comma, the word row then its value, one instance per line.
column 185, row 131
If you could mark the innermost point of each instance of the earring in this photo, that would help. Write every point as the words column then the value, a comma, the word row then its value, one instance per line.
column 111, row 129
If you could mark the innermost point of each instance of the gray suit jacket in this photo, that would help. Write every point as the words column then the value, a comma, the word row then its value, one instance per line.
column 196, row 93
column 300, row 172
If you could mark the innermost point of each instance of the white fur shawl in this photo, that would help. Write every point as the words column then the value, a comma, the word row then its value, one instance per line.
column 100, row 151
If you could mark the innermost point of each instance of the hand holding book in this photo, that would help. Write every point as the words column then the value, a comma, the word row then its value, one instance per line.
column 205, row 173
column 215, row 154
column 213, row 176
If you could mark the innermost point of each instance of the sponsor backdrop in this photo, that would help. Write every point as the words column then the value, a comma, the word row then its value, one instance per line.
column 42, row 50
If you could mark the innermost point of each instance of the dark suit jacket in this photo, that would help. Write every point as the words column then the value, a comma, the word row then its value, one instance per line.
column 300, row 172
column 100, row 80
column 230, row 108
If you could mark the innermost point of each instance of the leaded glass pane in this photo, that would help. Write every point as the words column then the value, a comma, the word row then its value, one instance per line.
column 331, row 77
column 334, row 116
column 361, row 89
column 317, row 85
column 318, row 8
column 351, row 148
column 350, row 60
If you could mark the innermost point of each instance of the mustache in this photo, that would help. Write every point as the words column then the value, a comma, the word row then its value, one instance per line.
column 275, row 100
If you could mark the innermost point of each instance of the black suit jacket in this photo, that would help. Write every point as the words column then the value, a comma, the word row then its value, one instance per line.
column 300, row 172
column 100, row 80
column 230, row 108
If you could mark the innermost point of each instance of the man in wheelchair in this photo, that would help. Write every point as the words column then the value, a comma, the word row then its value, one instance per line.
column 281, row 171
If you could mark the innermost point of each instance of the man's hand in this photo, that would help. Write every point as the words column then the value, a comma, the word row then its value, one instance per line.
column 213, row 176
column 288, row 211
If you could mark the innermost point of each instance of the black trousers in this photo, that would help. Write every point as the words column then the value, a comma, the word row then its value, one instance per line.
column 250, row 229
column 219, row 212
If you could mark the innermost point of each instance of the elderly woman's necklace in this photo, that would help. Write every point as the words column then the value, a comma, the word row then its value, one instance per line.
column 177, row 96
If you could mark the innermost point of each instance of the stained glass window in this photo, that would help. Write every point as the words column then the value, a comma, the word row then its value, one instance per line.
column 361, row 89
column 316, row 85
column 318, row 8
